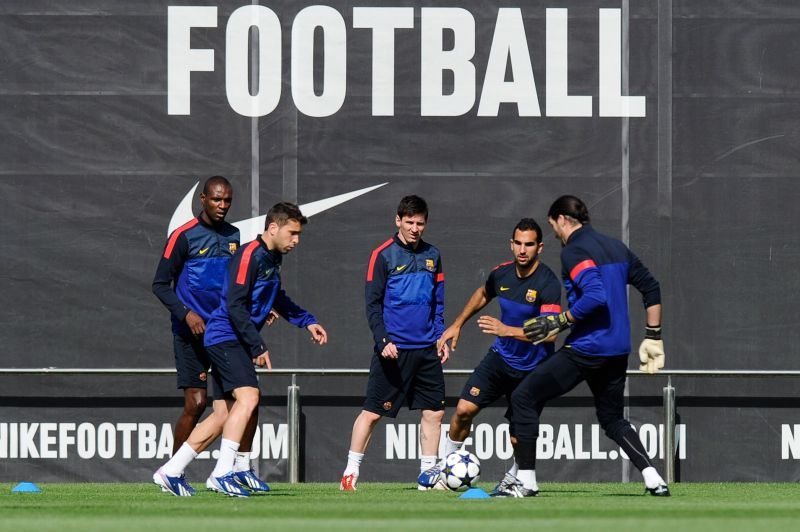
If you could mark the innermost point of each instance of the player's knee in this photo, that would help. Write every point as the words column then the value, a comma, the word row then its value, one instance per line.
column 248, row 398
column 370, row 417
column 433, row 416
column 464, row 414
column 615, row 427
column 194, row 404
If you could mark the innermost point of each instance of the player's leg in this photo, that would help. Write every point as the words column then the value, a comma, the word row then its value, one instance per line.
column 191, row 363
column 383, row 398
column 235, row 370
column 424, row 384
column 552, row 378
column 242, row 468
column 607, row 384
column 460, row 425
column 489, row 381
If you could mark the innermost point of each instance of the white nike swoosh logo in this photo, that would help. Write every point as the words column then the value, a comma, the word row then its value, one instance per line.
column 252, row 227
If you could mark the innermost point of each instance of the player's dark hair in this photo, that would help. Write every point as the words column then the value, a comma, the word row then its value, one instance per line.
column 215, row 180
column 411, row 206
column 528, row 224
column 571, row 207
column 282, row 212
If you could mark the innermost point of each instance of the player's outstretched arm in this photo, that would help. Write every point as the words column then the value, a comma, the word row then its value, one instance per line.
column 477, row 301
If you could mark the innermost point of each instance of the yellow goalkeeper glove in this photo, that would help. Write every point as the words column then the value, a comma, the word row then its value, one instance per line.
column 540, row 328
column 651, row 350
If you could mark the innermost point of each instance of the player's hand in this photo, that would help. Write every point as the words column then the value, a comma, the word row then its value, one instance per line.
column 443, row 352
column 318, row 334
column 491, row 325
column 450, row 334
column 390, row 351
column 540, row 328
column 271, row 317
column 263, row 360
column 195, row 323
column 651, row 351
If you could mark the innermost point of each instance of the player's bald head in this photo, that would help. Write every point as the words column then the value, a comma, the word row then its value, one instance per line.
column 213, row 181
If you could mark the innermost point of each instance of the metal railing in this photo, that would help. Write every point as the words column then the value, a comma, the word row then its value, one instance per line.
column 293, row 396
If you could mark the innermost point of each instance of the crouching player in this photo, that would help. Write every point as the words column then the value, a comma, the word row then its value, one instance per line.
column 525, row 288
column 596, row 271
column 251, row 290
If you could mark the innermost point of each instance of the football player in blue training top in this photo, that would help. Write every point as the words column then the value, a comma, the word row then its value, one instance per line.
column 188, row 281
column 525, row 288
column 252, row 289
column 596, row 270
column 405, row 310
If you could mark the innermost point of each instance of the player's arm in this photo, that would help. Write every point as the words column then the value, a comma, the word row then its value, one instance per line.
column 479, row 299
column 442, row 348
column 242, row 275
column 299, row 317
column 584, row 274
column 651, row 350
column 374, row 292
column 169, row 267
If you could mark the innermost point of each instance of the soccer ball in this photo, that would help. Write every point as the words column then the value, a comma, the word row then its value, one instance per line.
column 461, row 470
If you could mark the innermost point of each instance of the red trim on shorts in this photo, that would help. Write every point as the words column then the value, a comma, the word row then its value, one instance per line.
column 555, row 309
column 440, row 278
column 173, row 239
column 241, row 276
column 374, row 258
column 583, row 265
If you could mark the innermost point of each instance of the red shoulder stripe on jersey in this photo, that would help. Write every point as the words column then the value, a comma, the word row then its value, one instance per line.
column 502, row 264
column 177, row 233
column 374, row 258
column 241, row 275
column 553, row 309
column 583, row 265
column 440, row 278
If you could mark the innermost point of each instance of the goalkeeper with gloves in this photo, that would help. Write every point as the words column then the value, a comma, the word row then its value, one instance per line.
column 596, row 270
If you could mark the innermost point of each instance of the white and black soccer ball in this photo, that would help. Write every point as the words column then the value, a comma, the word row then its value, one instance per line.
column 461, row 470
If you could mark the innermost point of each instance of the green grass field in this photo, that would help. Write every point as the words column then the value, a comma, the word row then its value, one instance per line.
column 580, row 507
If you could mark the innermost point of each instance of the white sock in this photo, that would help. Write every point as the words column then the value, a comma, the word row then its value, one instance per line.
column 179, row 462
column 427, row 462
column 353, row 463
column 451, row 446
column 514, row 469
column 227, row 455
column 528, row 478
column 242, row 462
column 652, row 479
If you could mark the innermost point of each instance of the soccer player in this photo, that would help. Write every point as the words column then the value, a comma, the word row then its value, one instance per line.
column 188, row 281
column 405, row 310
column 525, row 288
column 596, row 270
column 252, row 289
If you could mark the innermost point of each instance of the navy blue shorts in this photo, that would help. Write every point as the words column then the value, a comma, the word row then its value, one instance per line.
column 493, row 378
column 415, row 378
column 231, row 367
column 191, row 361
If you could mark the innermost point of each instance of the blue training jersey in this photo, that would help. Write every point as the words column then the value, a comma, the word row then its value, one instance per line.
column 520, row 299
column 192, row 268
column 405, row 295
column 596, row 270
column 251, row 290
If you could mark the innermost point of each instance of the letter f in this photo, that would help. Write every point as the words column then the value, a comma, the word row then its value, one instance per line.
column 181, row 59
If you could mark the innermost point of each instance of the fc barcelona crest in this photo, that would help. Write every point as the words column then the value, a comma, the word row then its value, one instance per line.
column 430, row 265
column 232, row 247
column 530, row 296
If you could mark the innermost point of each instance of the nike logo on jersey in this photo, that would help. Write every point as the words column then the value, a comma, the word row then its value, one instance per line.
column 250, row 228
column 504, row 288
column 400, row 268
column 203, row 251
